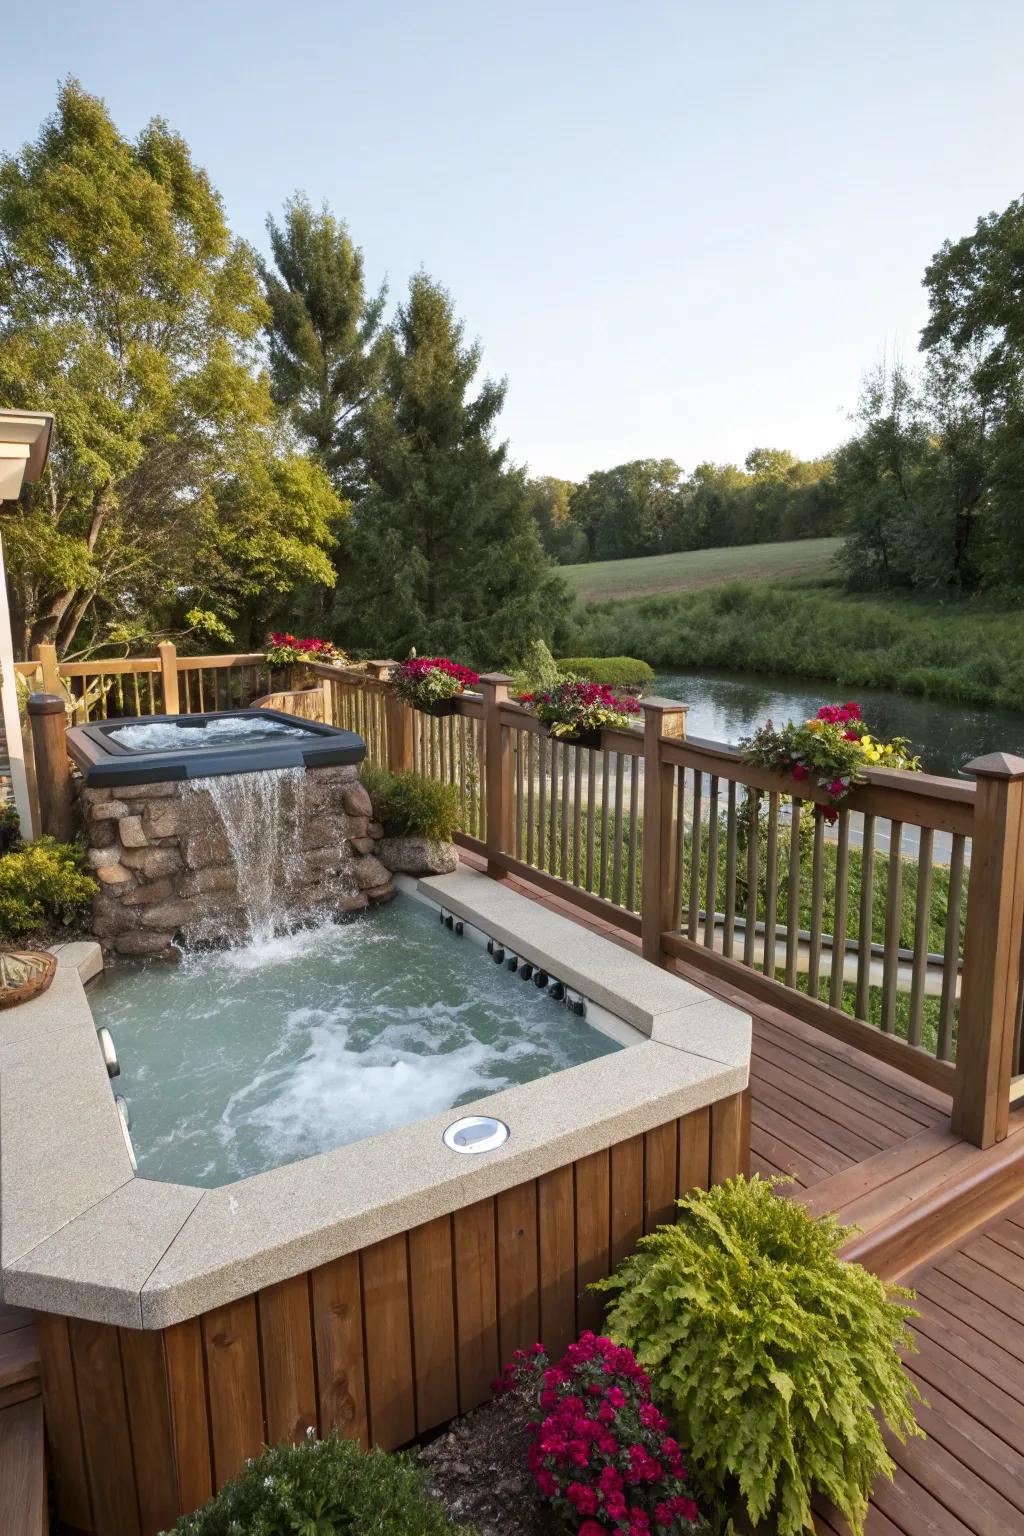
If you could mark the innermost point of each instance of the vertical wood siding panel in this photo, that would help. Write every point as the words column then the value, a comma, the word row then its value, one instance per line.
column 385, row 1274
column 149, row 1421
column 341, row 1366
column 518, row 1311
column 232, row 1355
column 108, row 1451
column 433, row 1322
column 190, row 1426
column 557, row 1236
column 286, row 1342
column 593, row 1223
column 476, row 1302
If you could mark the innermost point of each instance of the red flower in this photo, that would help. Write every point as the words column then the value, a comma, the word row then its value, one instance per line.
column 801, row 771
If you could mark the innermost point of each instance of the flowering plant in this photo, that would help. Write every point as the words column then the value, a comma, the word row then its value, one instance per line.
column 285, row 650
column 602, row 1456
column 428, row 681
column 575, row 708
column 833, row 748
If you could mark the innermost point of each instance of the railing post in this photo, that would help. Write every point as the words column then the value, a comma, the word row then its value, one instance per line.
column 46, row 655
column 991, row 979
column 327, row 696
column 500, row 800
column 662, row 717
column 168, row 654
column 398, row 720
column 53, row 766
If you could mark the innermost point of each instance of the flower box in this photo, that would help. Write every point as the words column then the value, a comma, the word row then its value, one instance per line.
column 432, row 684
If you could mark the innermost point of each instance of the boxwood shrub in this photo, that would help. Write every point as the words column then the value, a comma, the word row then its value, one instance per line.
column 776, row 1361
column 43, row 884
column 323, row 1488
column 616, row 671
column 412, row 805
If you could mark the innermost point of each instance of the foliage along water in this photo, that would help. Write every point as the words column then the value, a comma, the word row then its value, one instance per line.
column 725, row 706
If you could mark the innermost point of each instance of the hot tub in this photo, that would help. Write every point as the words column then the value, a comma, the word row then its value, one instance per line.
column 153, row 749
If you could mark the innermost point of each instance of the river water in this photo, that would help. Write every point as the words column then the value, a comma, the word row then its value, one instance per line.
column 725, row 706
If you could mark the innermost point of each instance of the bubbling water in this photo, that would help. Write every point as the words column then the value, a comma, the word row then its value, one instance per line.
column 262, row 816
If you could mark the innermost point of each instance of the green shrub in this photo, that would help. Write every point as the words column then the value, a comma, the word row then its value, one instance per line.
column 616, row 671
column 42, row 883
column 539, row 672
column 323, row 1488
column 411, row 805
column 771, row 1354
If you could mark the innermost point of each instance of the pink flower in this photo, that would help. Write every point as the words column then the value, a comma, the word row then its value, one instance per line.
column 837, row 787
column 801, row 771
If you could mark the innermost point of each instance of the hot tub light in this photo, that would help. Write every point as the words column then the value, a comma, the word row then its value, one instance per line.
column 459, row 928
column 498, row 954
column 511, row 963
column 557, row 991
column 540, row 978
column 526, row 970
column 449, row 921
column 475, row 1133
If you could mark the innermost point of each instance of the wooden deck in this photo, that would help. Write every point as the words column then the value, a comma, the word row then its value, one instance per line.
column 864, row 1140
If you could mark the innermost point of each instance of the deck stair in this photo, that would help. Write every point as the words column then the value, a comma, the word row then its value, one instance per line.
column 23, row 1509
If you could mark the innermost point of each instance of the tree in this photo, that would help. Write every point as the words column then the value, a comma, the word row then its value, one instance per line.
column 629, row 510
column 128, row 310
column 550, row 501
column 324, row 336
column 443, row 553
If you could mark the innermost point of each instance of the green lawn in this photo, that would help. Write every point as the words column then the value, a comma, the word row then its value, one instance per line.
column 690, row 569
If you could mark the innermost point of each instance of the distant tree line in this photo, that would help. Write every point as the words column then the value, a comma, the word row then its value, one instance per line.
column 650, row 507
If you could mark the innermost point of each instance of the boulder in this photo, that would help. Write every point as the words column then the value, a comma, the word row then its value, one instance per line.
column 145, row 791
column 115, row 874
column 375, row 829
column 418, row 856
column 146, row 895
column 330, row 859
column 142, row 943
column 363, row 844
column 107, row 810
column 153, row 862
column 370, row 873
column 102, row 834
column 131, row 833
column 356, row 800
column 354, row 903
column 103, row 858
column 213, row 878
column 172, row 914
column 111, row 917
column 205, row 848
column 163, row 819
column 381, row 894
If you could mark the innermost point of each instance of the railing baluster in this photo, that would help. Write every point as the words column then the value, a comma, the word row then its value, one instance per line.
column 563, row 862
column 951, row 948
column 680, row 859
column 817, row 903
column 605, row 772
column 922, row 927
column 542, row 801
column 729, row 930
column 556, row 747
column 771, row 887
column 517, row 737
column 867, row 904
column 591, row 817
column 617, row 823
column 531, row 769
column 835, row 989
column 632, row 894
column 753, row 877
column 693, row 906
column 793, row 893
column 893, row 910
column 577, row 797
column 711, row 884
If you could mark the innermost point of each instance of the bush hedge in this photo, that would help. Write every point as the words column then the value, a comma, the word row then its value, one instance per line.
column 323, row 1488
column 43, row 883
column 411, row 805
column 616, row 671
column 777, row 1362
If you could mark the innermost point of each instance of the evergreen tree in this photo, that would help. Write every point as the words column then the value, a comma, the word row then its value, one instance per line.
column 323, row 335
column 443, row 553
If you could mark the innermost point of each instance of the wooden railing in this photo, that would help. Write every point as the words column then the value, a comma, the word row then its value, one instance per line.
column 164, row 684
column 898, row 929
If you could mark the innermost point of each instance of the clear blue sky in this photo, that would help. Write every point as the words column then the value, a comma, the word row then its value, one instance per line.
column 679, row 229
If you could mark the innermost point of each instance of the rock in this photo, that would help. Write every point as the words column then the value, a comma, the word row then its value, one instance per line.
column 146, row 791
column 375, row 829
column 95, row 796
column 146, row 895
column 212, row 879
column 163, row 819
column 172, row 914
column 205, row 848
column 330, row 859
column 356, row 800
column 107, row 810
column 381, row 894
column 153, row 862
column 418, row 856
column 103, row 858
column 370, row 873
column 141, row 943
column 111, row 917
column 351, row 903
column 115, row 874
column 363, row 844
column 131, row 833
column 102, row 834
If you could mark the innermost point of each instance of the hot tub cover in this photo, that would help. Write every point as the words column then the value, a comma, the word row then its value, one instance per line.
column 146, row 749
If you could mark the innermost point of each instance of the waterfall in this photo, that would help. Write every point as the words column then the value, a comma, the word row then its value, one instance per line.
column 262, row 816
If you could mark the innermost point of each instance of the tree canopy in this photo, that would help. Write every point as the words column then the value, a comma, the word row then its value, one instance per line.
column 127, row 309
column 443, row 554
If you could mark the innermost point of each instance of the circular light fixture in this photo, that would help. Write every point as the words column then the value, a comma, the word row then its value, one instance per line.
column 476, row 1133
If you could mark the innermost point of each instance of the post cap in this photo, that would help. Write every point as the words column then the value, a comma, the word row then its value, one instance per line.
column 996, row 765
column 499, row 679
column 665, row 706
column 47, row 704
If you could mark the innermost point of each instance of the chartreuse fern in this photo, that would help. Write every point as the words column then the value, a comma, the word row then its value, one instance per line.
column 774, row 1356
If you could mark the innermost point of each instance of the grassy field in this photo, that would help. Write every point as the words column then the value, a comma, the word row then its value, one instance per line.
column 689, row 570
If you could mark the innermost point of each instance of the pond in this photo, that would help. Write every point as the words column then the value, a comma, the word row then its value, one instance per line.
column 724, row 706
